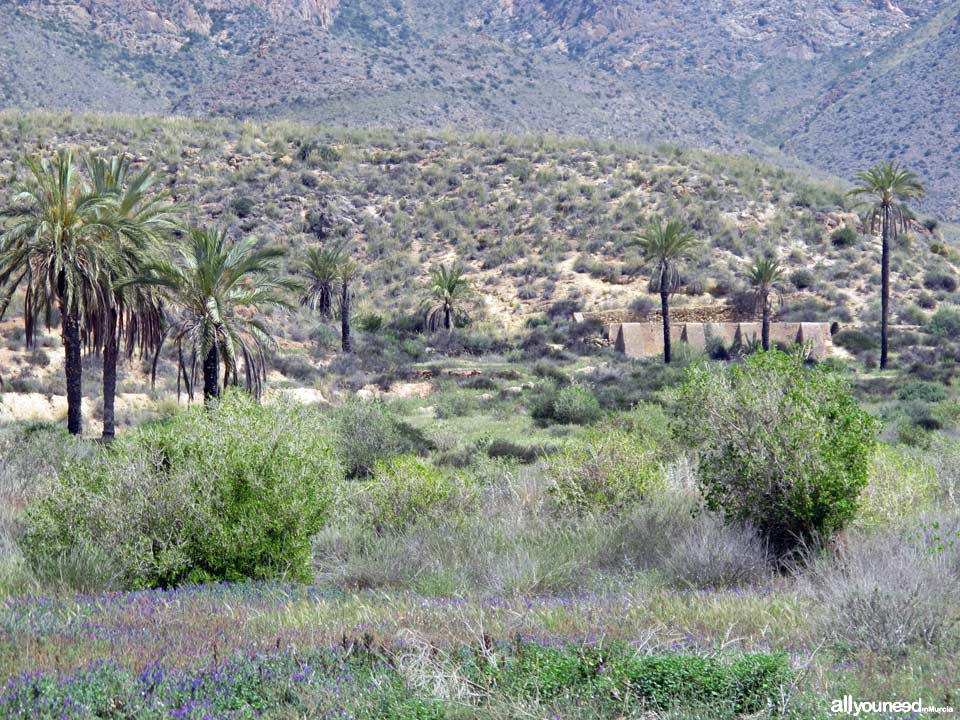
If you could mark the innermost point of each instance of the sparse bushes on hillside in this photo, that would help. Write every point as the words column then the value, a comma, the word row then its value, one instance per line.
column 781, row 446
column 224, row 494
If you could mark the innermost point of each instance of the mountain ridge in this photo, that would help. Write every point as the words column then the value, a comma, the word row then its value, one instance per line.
column 822, row 81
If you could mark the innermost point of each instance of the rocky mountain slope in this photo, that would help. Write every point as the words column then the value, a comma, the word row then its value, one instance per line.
column 837, row 83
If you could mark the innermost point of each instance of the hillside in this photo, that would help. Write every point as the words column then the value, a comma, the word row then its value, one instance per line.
column 819, row 80
column 538, row 221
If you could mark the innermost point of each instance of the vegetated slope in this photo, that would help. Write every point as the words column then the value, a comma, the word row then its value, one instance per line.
column 743, row 75
column 536, row 220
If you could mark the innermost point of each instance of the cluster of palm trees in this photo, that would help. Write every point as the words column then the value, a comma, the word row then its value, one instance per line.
column 102, row 246
column 666, row 245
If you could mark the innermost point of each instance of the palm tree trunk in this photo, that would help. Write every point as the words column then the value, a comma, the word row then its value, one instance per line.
column 884, row 287
column 111, row 352
column 73, row 368
column 447, row 318
column 211, row 375
column 765, row 325
column 345, row 318
column 665, row 310
column 326, row 294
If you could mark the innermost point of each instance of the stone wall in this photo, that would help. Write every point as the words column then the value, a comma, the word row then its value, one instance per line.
column 640, row 340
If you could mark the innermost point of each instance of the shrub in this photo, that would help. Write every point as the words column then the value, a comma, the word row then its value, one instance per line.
column 367, row 433
column 901, row 482
column 781, row 446
column 886, row 593
column 225, row 494
column 405, row 490
column 923, row 390
column 945, row 322
column 856, row 341
column 939, row 279
column 748, row 685
column 844, row 236
column 688, row 549
column 242, row 206
column 571, row 405
column 802, row 279
column 605, row 470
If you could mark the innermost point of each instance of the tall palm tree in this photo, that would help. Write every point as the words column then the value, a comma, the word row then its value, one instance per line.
column 765, row 272
column 665, row 246
column 321, row 267
column 449, row 289
column 144, row 220
column 219, row 288
column 59, row 244
column 888, row 187
column 346, row 274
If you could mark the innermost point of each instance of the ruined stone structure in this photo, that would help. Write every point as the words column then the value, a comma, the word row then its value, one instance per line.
column 640, row 340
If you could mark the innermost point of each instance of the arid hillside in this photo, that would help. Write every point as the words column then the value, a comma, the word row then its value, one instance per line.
column 838, row 84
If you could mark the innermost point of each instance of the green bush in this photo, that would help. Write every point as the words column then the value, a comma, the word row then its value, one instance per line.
column 570, row 405
column 405, row 490
column 368, row 432
column 781, row 446
column 923, row 390
column 802, row 279
column 945, row 322
column 940, row 279
column 605, row 470
column 844, row 236
column 225, row 494
column 856, row 341
column 747, row 685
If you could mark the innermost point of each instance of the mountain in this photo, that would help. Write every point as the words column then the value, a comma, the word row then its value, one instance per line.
column 837, row 84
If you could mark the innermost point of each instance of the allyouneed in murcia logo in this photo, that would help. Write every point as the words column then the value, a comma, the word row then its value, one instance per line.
column 848, row 706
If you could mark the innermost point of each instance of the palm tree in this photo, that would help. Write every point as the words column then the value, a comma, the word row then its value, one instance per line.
column 449, row 288
column 143, row 220
column 321, row 268
column 888, row 187
column 59, row 243
column 346, row 273
column 765, row 271
column 219, row 288
column 665, row 247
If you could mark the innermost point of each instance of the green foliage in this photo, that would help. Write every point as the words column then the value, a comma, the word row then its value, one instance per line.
column 945, row 322
column 225, row 494
column 923, row 390
column 900, row 483
column 856, row 341
column 607, row 469
column 368, row 433
column 406, row 490
column 940, row 279
column 570, row 405
column 781, row 446
column 844, row 236
column 748, row 684
column 803, row 279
